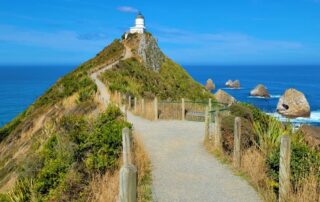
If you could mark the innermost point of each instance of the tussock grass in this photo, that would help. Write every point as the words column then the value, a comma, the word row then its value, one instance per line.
column 143, row 164
column 105, row 188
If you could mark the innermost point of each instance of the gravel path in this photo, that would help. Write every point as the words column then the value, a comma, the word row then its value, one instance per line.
column 182, row 169
column 100, row 85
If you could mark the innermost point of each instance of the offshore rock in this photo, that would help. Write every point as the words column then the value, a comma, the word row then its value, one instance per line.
column 261, row 91
column 223, row 97
column 233, row 84
column 210, row 85
column 293, row 104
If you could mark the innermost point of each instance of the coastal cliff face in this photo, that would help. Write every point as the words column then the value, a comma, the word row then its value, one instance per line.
column 146, row 49
column 150, row 52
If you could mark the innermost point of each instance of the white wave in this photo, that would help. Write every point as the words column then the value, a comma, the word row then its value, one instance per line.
column 227, row 88
column 260, row 97
column 275, row 96
column 314, row 118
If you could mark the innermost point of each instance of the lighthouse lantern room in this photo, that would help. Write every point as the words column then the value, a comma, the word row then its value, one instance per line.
column 139, row 25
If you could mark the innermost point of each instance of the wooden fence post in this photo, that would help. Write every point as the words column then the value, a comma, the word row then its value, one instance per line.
column 183, row 110
column 217, row 138
column 206, row 121
column 284, row 170
column 155, row 108
column 125, row 112
column 142, row 106
column 126, row 146
column 210, row 109
column 237, row 143
column 128, row 183
column 135, row 105
column 129, row 102
column 128, row 172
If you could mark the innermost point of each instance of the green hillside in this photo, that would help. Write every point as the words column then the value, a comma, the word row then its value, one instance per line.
column 53, row 150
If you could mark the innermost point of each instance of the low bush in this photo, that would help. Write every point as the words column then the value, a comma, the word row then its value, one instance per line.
column 78, row 148
column 304, row 161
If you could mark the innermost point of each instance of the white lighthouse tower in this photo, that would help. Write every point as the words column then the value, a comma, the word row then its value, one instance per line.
column 139, row 27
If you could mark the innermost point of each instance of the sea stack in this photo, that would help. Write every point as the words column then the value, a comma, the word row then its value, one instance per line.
column 293, row 104
column 260, row 91
column 210, row 85
column 233, row 84
column 225, row 98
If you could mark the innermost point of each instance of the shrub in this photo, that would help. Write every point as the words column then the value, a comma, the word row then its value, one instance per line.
column 22, row 191
column 269, row 137
column 303, row 161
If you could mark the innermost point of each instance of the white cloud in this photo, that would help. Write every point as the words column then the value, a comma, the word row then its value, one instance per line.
column 127, row 9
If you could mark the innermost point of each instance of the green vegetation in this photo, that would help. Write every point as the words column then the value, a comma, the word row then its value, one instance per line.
column 304, row 161
column 77, row 149
column 171, row 82
column 261, row 133
column 77, row 81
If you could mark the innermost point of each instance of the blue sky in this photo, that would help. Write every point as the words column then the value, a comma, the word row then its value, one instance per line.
column 225, row 32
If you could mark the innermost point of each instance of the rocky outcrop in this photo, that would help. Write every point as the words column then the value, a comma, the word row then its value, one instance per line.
column 311, row 136
column 293, row 104
column 223, row 97
column 233, row 84
column 210, row 85
column 229, row 83
column 150, row 53
column 261, row 91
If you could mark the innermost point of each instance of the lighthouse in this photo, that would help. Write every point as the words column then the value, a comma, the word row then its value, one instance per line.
column 139, row 25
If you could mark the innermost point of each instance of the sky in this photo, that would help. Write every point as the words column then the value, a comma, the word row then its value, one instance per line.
column 225, row 32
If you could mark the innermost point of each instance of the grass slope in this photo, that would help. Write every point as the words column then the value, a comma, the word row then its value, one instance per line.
column 77, row 81
column 171, row 82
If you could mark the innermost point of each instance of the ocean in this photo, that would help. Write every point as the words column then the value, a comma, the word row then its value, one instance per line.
column 276, row 78
column 21, row 85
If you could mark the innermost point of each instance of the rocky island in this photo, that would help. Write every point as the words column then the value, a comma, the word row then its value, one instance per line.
column 260, row 91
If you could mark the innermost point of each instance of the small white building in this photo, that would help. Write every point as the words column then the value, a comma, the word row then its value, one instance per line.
column 139, row 26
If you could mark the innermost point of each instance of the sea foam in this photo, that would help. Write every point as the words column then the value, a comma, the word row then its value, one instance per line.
column 314, row 118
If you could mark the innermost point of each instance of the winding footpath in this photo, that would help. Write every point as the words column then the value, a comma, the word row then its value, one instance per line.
column 181, row 167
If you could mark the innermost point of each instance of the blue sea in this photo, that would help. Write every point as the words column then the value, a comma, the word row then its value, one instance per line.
column 21, row 85
column 276, row 78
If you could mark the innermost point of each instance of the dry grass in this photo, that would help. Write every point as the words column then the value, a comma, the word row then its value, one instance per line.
column 105, row 188
column 142, row 162
column 254, row 168
column 144, row 109
column 308, row 189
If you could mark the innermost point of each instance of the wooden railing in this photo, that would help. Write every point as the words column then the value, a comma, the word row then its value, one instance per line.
column 154, row 109
column 128, row 172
